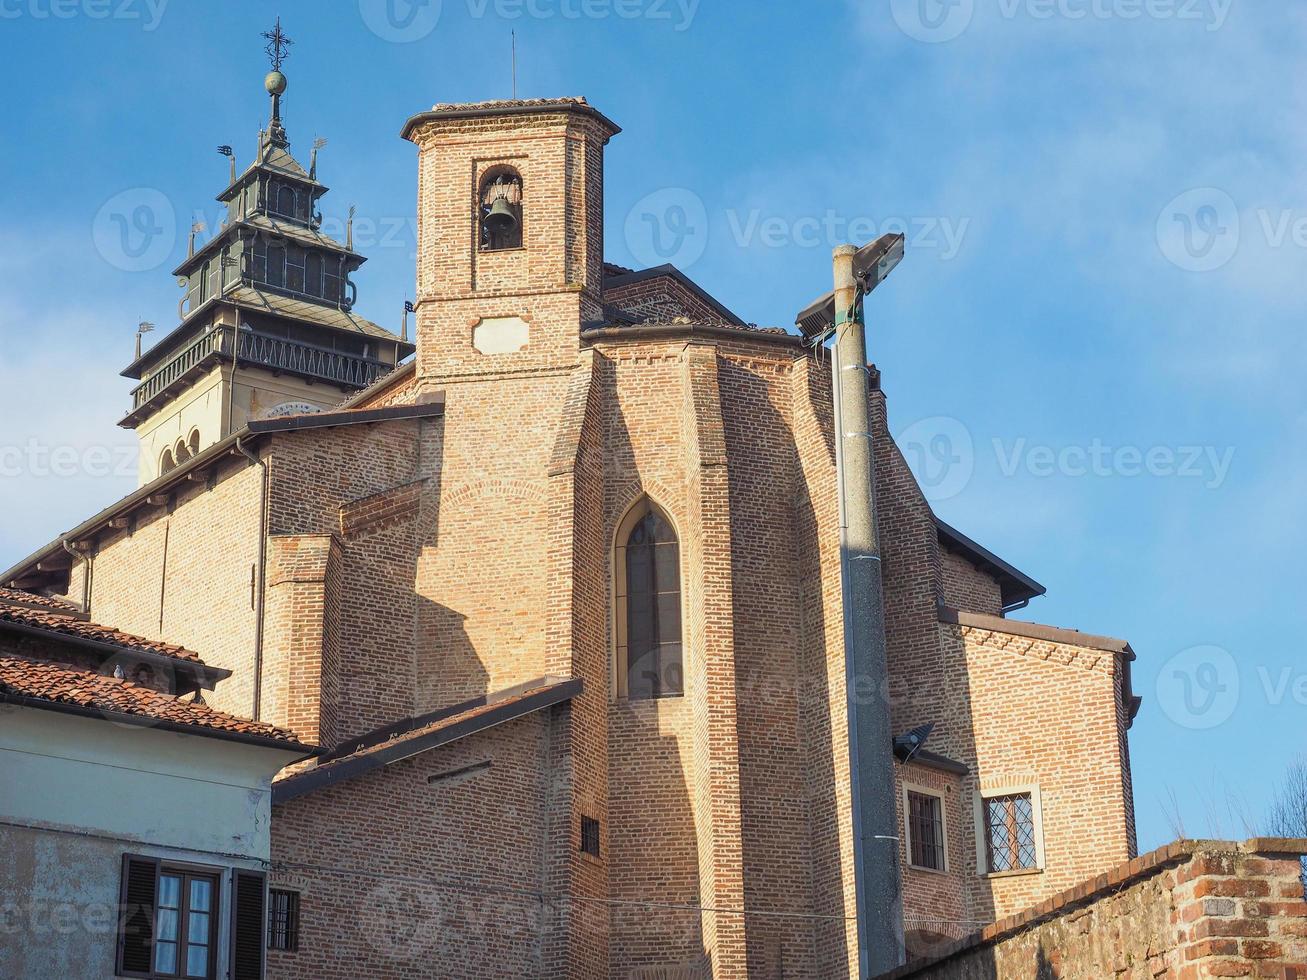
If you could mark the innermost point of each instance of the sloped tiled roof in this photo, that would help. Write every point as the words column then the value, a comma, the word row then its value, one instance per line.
column 411, row 737
column 63, row 684
column 294, row 231
column 58, row 621
column 32, row 599
column 329, row 316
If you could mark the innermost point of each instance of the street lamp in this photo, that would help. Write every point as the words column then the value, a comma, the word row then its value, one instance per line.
column 839, row 313
column 872, row 265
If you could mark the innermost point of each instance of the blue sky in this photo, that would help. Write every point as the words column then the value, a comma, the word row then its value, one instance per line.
column 1093, row 351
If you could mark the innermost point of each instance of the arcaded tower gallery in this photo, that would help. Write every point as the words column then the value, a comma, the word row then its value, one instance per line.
column 266, row 323
column 560, row 597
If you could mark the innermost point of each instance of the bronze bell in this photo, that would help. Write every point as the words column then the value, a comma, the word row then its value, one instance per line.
column 501, row 219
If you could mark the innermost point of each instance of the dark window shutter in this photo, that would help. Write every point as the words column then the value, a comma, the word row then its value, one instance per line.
column 136, row 915
column 248, row 915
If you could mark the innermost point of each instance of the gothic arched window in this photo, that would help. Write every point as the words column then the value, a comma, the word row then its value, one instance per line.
column 648, row 611
column 500, row 207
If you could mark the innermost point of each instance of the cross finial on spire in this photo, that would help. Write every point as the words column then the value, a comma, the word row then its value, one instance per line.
column 278, row 46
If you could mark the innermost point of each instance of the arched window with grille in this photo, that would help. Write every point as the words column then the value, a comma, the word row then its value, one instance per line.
column 647, row 612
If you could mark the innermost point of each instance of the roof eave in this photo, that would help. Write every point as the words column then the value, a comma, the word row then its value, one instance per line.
column 148, row 721
column 205, row 676
column 1015, row 585
column 432, row 407
column 669, row 331
column 480, row 112
column 405, row 747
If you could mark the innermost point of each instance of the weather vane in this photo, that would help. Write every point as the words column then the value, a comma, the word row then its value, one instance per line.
column 278, row 47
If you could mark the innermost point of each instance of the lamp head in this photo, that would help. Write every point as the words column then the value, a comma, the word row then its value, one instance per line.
column 909, row 744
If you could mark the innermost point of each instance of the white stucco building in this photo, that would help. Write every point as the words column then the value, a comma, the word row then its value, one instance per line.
column 134, row 818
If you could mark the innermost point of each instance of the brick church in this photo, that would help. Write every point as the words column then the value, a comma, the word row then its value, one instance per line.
column 556, row 587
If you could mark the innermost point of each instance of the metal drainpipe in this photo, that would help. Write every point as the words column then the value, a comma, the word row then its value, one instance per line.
column 259, row 578
column 87, row 573
column 871, row 764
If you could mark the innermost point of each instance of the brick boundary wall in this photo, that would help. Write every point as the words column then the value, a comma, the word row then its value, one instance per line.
column 1187, row 911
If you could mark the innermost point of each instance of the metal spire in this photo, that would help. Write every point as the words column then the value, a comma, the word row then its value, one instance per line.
column 278, row 46
column 278, row 49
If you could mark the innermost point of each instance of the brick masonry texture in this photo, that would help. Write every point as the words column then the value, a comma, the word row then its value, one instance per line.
column 1188, row 911
column 412, row 564
column 660, row 299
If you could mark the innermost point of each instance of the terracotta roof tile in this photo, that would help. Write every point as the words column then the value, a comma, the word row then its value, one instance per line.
column 64, row 684
column 564, row 102
column 33, row 599
column 54, row 622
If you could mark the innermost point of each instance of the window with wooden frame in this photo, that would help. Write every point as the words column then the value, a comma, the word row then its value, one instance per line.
column 926, row 827
column 647, row 607
column 168, row 921
column 283, row 920
column 1009, row 829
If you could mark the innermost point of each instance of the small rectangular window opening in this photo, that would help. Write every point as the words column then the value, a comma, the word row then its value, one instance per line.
column 926, row 830
column 283, row 920
column 590, row 836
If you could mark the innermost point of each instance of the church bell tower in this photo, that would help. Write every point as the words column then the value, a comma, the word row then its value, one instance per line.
column 510, row 235
column 267, row 324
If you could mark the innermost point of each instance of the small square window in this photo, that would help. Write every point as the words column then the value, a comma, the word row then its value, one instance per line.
column 925, row 819
column 590, row 836
column 283, row 920
column 1011, row 841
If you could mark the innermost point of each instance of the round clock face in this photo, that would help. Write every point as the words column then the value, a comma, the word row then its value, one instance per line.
column 290, row 408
